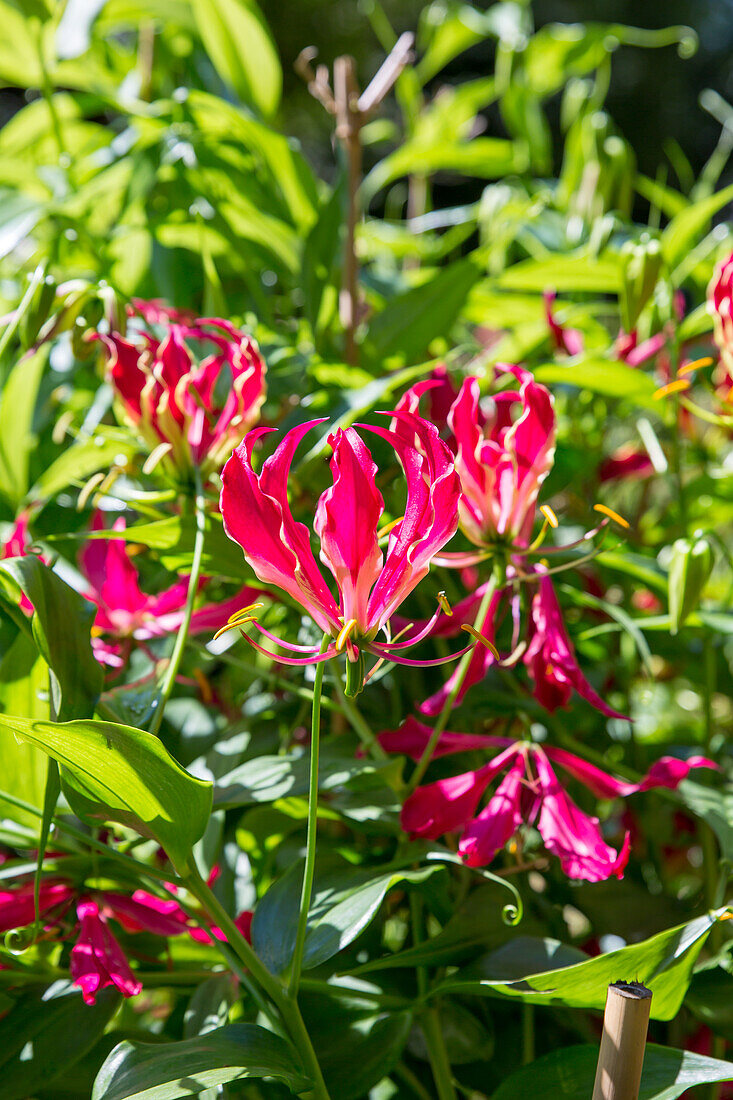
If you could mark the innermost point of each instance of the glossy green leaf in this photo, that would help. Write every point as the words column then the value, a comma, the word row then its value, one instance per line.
column 118, row 773
column 664, row 963
column 602, row 376
column 23, row 690
column 239, row 43
column 568, row 1074
column 151, row 1071
column 17, row 441
column 61, row 626
column 409, row 322
column 344, row 904
column 45, row 1033
column 483, row 158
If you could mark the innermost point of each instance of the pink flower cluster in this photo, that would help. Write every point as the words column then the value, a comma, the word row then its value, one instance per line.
column 530, row 793
column 97, row 959
column 191, row 414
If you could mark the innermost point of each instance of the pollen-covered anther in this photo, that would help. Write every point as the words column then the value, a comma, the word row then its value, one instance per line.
column 549, row 515
column 696, row 364
column 678, row 386
column 606, row 511
column 239, row 619
column 483, row 640
column 443, row 601
column 344, row 634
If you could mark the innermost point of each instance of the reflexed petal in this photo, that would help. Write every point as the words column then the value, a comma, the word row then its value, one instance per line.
column 666, row 772
column 347, row 519
column 573, row 836
column 449, row 804
column 497, row 822
column 412, row 738
column 257, row 515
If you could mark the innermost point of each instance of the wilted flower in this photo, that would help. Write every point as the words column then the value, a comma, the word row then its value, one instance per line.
column 370, row 585
column 126, row 614
column 190, row 413
column 530, row 793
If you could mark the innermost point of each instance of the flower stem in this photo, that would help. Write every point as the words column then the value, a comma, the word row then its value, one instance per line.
column 287, row 1006
column 193, row 584
column 496, row 582
column 310, row 848
column 356, row 720
column 430, row 1017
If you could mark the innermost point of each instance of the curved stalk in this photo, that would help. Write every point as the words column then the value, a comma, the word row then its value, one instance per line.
column 180, row 644
column 496, row 582
column 310, row 849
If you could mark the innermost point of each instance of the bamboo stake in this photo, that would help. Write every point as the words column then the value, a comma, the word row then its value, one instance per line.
column 621, row 1056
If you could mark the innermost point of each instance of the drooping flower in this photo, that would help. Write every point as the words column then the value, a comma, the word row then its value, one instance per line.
column 97, row 959
column 550, row 657
column 529, row 793
column 126, row 614
column 504, row 447
column 370, row 585
column 542, row 645
column 189, row 412
column 627, row 461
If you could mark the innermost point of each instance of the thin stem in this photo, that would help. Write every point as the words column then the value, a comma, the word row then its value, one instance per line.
column 412, row 1081
column 356, row 719
column 496, row 582
column 430, row 1017
column 193, row 583
column 310, row 849
column 528, row 1048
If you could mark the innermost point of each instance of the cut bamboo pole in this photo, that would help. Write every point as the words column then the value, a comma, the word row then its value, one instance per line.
column 621, row 1056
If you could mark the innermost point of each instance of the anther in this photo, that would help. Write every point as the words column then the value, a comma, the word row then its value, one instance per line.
column 611, row 514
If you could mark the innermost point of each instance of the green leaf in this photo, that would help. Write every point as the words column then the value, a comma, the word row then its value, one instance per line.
column 685, row 228
column 602, row 376
column 239, row 43
column 118, row 773
column 61, row 625
column 172, row 538
column 23, row 690
column 569, row 1074
column 151, row 1071
column 713, row 806
column 17, row 441
column 356, row 1046
column 483, row 158
column 569, row 274
column 344, row 903
column 77, row 463
column 664, row 963
column 409, row 322
column 46, row 1033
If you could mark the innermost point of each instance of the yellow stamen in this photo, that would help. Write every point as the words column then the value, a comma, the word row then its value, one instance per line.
column 155, row 456
column 388, row 527
column 443, row 601
column 233, row 626
column 244, row 611
column 549, row 515
column 480, row 638
column 611, row 514
column 697, row 364
column 91, row 485
column 345, row 634
column 672, row 387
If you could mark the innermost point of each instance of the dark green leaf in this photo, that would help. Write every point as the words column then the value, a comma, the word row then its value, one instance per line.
column 151, row 1071
column 569, row 1074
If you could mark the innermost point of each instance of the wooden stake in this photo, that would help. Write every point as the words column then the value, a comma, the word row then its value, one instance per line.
column 621, row 1056
column 351, row 111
